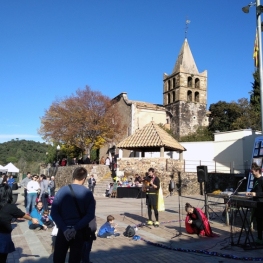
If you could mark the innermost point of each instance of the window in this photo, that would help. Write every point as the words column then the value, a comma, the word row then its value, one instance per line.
column 173, row 96
column 169, row 98
column 189, row 95
column 196, row 96
column 197, row 83
column 173, row 83
column 189, row 82
column 169, row 84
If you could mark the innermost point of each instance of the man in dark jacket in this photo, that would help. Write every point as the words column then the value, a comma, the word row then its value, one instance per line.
column 68, row 219
column 257, row 192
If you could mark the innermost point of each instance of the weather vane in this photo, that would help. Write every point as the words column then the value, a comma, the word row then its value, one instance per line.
column 187, row 22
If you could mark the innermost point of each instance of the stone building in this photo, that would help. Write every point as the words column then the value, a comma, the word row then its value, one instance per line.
column 184, row 102
column 136, row 114
column 185, row 94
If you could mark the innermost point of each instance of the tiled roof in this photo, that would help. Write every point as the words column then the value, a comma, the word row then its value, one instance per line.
column 151, row 136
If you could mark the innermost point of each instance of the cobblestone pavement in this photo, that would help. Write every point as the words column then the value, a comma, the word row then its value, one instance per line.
column 36, row 246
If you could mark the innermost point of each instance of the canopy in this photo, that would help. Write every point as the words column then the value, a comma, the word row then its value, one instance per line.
column 2, row 169
column 151, row 138
column 11, row 168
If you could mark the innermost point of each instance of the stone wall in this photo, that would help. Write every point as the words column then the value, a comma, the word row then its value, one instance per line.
column 63, row 174
column 167, row 169
column 187, row 116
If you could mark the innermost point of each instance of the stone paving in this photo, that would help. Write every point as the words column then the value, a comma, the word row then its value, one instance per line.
column 36, row 246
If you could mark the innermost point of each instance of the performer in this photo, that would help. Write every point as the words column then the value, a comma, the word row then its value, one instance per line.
column 256, row 192
column 196, row 222
column 152, row 190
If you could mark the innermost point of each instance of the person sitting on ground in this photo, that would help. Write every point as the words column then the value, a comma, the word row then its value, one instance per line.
column 37, row 213
column 46, row 219
column 110, row 190
column 108, row 229
column 137, row 179
column 107, row 190
column 196, row 222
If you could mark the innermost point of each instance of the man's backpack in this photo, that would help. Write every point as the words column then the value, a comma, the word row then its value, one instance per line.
column 129, row 232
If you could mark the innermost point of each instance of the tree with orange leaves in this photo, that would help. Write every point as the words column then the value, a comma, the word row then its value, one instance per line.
column 83, row 120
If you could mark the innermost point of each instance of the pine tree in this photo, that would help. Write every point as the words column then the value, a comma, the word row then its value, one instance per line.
column 255, row 93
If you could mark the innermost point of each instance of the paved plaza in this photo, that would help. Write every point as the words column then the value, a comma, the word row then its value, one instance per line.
column 36, row 246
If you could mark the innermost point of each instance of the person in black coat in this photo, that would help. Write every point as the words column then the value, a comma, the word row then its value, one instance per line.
column 257, row 193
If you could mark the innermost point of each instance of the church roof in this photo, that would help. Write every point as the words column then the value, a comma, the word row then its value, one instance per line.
column 139, row 104
column 185, row 60
column 151, row 137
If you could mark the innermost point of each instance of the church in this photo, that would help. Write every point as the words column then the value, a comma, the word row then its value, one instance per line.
column 184, row 102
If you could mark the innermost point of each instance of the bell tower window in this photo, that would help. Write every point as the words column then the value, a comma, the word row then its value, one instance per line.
column 169, row 98
column 197, row 83
column 189, row 82
column 173, row 96
column 169, row 84
column 196, row 96
column 173, row 83
column 189, row 95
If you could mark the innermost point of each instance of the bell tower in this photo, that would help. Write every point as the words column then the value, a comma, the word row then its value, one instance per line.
column 185, row 94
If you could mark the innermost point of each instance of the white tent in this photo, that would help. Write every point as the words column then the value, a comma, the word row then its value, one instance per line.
column 2, row 169
column 11, row 168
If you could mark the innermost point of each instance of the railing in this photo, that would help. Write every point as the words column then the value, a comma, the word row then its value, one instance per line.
column 215, row 167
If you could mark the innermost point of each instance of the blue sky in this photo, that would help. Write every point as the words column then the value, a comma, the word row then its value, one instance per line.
column 50, row 48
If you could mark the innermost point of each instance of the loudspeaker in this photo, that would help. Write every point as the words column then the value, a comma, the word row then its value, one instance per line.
column 202, row 175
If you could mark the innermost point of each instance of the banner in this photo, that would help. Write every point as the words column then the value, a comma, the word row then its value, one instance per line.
column 257, row 158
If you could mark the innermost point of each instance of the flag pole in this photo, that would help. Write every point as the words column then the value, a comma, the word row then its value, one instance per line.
column 258, row 13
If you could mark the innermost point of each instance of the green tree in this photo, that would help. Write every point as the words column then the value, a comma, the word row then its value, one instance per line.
column 255, row 93
column 201, row 134
column 249, row 118
column 223, row 114
column 11, row 159
column 25, row 155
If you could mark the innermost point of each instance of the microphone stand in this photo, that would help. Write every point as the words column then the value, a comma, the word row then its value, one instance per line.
column 180, row 224
column 141, row 224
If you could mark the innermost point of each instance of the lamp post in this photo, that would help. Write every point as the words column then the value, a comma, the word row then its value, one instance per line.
column 259, row 10
column 58, row 148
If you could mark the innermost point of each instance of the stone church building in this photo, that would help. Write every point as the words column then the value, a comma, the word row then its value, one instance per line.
column 185, row 94
column 184, row 102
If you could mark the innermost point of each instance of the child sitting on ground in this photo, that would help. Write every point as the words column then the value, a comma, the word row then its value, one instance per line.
column 108, row 229
column 46, row 219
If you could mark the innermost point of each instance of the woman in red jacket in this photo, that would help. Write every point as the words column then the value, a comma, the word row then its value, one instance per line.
column 196, row 222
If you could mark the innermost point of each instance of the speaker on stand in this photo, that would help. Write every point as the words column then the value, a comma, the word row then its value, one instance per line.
column 202, row 178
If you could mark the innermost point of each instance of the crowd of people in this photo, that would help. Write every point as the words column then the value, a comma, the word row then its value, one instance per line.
column 10, row 180
column 38, row 188
column 72, row 211
column 109, row 161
